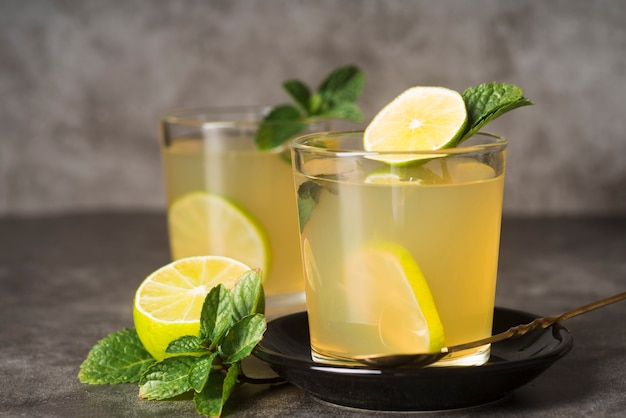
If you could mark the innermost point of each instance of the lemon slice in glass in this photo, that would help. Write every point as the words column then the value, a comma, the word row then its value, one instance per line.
column 393, row 293
column 207, row 224
column 420, row 119
column 169, row 301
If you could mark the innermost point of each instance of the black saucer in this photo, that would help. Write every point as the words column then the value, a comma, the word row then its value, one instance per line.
column 513, row 363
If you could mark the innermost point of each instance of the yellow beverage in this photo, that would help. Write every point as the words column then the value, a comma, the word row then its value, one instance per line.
column 446, row 213
column 258, row 183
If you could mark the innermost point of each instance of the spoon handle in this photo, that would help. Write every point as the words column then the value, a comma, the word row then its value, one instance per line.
column 542, row 323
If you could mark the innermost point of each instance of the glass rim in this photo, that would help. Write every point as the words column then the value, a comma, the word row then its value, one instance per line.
column 301, row 144
column 201, row 115
column 238, row 116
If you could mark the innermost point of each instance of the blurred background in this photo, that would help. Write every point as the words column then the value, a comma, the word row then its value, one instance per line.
column 83, row 84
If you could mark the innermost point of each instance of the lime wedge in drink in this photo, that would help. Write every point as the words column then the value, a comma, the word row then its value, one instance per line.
column 390, row 290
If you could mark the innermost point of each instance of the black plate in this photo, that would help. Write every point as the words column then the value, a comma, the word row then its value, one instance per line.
column 513, row 363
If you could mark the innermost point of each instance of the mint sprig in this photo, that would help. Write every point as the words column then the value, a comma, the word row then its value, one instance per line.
column 488, row 101
column 208, row 365
column 335, row 98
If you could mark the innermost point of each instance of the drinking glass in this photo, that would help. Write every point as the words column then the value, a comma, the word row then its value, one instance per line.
column 227, row 197
column 386, row 234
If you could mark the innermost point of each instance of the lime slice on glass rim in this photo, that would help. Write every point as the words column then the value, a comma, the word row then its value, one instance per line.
column 419, row 119
column 392, row 292
column 202, row 223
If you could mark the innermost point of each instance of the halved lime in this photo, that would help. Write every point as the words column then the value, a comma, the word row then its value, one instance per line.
column 202, row 223
column 169, row 301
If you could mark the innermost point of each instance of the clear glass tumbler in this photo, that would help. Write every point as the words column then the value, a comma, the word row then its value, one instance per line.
column 227, row 197
column 398, row 258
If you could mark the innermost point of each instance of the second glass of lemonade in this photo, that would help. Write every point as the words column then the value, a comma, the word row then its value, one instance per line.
column 226, row 197
column 399, row 258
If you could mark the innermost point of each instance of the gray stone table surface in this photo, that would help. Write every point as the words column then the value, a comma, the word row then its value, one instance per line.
column 67, row 281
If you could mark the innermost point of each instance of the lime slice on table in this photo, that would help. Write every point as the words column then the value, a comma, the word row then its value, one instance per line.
column 421, row 118
column 392, row 292
column 169, row 301
column 207, row 224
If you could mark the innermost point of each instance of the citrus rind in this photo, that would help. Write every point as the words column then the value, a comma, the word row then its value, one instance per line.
column 168, row 303
column 393, row 293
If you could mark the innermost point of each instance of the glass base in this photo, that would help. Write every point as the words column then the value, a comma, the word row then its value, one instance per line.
column 332, row 360
column 471, row 357
column 284, row 304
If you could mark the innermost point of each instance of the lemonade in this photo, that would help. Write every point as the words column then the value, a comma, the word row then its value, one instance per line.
column 221, row 163
column 229, row 182
column 441, row 214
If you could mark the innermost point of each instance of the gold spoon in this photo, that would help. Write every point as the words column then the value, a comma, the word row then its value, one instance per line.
column 424, row 359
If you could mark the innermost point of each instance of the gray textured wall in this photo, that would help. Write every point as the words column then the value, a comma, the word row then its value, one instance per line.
column 82, row 84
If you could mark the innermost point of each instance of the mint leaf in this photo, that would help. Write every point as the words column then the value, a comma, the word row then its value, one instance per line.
column 242, row 338
column 345, row 110
column 117, row 358
column 282, row 123
column 316, row 103
column 299, row 92
column 216, row 392
column 488, row 101
column 217, row 314
column 210, row 401
column 200, row 371
column 187, row 344
column 230, row 381
column 308, row 198
column 334, row 98
column 344, row 84
column 167, row 378
column 248, row 295
column 309, row 195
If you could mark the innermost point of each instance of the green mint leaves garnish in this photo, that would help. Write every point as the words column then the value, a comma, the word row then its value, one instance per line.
column 118, row 358
column 488, row 101
column 335, row 98
column 281, row 123
column 207, row 365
